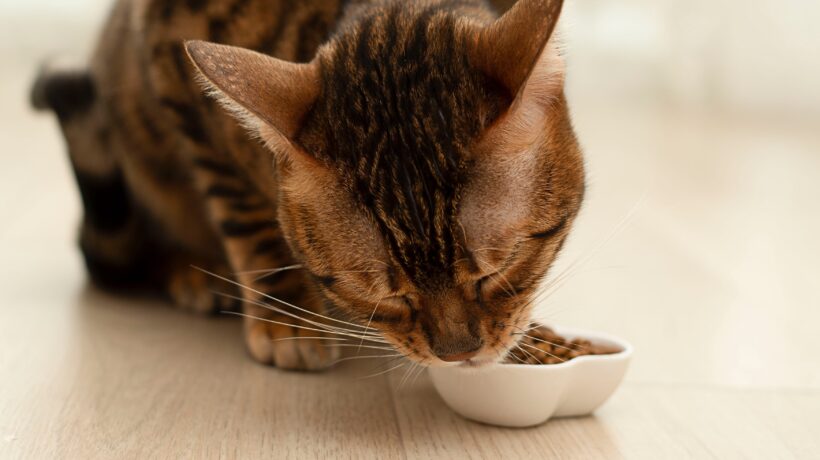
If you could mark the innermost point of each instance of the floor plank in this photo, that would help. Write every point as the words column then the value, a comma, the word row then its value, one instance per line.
column 124, row 379
column 641, row 421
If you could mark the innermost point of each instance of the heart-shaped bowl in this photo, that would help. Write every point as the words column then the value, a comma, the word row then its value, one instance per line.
column 522, row 395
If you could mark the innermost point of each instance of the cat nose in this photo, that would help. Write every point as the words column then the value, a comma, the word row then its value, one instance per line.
column 462, row 352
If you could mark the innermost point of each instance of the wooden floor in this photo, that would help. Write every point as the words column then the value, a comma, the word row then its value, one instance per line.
column 713, row 277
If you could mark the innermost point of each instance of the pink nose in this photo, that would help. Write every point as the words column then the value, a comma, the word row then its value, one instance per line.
column 459, row 356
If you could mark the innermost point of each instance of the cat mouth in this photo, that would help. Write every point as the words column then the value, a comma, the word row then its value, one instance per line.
column 481, row 360
column 473, row 363
column 478, row 362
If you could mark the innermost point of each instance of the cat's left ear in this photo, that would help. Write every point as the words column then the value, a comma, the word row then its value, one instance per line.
column 256, row 87
column 516, row 50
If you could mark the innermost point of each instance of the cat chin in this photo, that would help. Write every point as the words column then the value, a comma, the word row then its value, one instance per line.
column 477, row 363
column 474, row 363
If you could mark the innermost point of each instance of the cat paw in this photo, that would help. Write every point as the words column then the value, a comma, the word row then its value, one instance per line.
column 199, row 292
column 284, row 346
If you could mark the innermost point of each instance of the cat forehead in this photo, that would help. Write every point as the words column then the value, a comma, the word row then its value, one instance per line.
column 404, row 54
column 398, row 110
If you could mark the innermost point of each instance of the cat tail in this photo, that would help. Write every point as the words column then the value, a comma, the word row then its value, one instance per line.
column 65, row 91
column 112, row 233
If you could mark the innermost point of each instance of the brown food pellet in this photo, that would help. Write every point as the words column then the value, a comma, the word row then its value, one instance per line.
column 541, row 345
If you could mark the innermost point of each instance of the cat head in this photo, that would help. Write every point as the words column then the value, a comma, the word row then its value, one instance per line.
column 428, row 173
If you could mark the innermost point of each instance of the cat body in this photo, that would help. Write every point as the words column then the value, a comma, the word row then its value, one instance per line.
column 409, row 163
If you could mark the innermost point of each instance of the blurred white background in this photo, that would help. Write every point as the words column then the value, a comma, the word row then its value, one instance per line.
column 730, row 55
column 723, row 54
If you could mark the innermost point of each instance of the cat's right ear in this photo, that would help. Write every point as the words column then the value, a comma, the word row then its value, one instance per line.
column 260, row 90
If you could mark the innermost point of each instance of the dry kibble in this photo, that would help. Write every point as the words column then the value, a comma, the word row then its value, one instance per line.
column 542, row 345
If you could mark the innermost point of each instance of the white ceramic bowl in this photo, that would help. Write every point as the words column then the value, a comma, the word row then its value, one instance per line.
column 521, row 395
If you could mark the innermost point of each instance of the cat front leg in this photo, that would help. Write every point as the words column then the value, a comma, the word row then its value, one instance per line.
column 283, row 341
column 280, row 304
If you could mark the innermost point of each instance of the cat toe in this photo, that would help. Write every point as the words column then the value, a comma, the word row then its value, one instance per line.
column 282, row 346
column 316, row 355
column 199, row 292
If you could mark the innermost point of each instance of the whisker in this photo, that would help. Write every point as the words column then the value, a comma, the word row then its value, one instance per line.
column 619, row 227
column 504, row 278
column 407, row 373
column 372, row 347
column 538, row 349
column 510, row 353
column 500, row 275
column 463, row 231
column 553, row 287
column 467, row 259
column 268, row 272
column 373, row 286
column 422, row 368
column 275, row 299
column 524, row 333
column 553, row 343
column 292, row 315
column 351, row 358
column 500, row 355
column 370, row 320
column 357, row 271
column 264, row 270
column 487, row 249
column 546, row 290
column 310, row 338
column 383, row 372
column 297, row 326
column 458, row 261
column 529, row 354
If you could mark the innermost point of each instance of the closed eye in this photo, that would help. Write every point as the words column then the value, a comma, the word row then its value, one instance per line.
column 391, row 310
column 549, row 233
column 400, row 300
column 499, row 284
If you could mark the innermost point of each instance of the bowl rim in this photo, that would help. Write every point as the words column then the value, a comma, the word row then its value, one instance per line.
column 626, row 351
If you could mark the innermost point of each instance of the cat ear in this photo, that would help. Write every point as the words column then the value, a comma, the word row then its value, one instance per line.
column 256, row 86
column 514, row 49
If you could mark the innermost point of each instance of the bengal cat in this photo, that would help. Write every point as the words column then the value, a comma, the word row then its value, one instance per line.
column 408, row 164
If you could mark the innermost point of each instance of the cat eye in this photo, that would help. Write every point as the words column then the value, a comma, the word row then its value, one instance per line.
column 407, row 302
column 391, row 310
column 480, row 287
column 403, row 300
column 549, row 233
column 495, row 286
column 479, row 291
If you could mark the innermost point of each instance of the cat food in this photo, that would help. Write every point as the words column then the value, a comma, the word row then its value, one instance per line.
column 542, row 345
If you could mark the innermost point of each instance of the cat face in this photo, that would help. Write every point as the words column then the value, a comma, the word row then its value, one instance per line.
column 512, row 217
column 428, row 171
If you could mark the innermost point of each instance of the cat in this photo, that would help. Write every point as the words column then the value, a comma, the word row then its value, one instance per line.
column 410, row 165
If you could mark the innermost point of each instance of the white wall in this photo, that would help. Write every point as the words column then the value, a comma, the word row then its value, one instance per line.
column 761, row 55
column 736, row 55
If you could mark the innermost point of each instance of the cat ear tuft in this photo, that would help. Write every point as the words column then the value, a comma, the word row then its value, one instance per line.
column 257, row 86
column 516, row 50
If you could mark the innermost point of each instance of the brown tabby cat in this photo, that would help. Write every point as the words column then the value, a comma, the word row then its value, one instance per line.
column 417, row 168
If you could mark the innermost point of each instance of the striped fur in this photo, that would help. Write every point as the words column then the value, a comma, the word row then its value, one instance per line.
column 423, row 179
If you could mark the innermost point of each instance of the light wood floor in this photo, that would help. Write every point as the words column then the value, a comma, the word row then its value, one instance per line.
column 713, row 278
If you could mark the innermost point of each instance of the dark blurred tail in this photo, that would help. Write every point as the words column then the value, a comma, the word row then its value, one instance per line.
column 111, row 236
column 66, row 92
